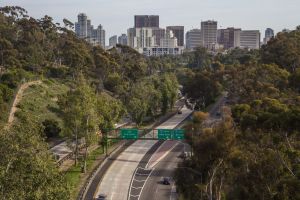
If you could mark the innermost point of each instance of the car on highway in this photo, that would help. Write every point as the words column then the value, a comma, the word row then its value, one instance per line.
column 166, row 181
column 179, row 112
column 101, row 197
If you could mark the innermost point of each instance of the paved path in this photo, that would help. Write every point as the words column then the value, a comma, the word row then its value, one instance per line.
column 117, row 180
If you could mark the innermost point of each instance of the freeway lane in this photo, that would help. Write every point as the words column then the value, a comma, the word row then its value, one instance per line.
column 154, row 189
column 116, row 182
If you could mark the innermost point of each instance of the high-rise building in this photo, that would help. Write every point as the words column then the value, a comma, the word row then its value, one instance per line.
column 209, row 34
column 269, row 33
column 122, row 39
column 158, row 33
column 169, row 40
column 178, row 33
column 250, row 39
column 138, row 38
column 142, row 21
column 82, row 26
column 113, row 40
column 229, row 37
column 98, row 36
column 85, row 30
column 193, row 39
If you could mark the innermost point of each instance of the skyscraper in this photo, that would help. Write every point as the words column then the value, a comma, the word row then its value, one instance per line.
column 269, row 33
column 122, row 39
column 141, row 21
column 82, row 26
column 250, row 39
column 193, row 39
column 229, row 37
column 113, row 40
column 178, row 33
column 158, row 33
column 209, row 34
column 85, row 30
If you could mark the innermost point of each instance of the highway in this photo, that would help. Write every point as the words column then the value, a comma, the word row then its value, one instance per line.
column 154, row 189
column 117, row 181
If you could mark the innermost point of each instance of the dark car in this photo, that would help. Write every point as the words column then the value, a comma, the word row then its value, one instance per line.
column 179, row 112
column 101, row 197
column 166, row 181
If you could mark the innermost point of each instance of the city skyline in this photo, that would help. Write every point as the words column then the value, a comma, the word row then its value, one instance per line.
column 117, row 16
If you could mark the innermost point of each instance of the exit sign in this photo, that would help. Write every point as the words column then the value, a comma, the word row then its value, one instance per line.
column 128, row 134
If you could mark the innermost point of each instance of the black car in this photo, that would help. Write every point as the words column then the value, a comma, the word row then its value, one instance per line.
column 179, row 112
column 101, row 197
column 166, row 181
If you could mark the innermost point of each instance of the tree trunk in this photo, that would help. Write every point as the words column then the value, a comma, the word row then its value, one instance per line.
column 86, row 146
column 76, row 146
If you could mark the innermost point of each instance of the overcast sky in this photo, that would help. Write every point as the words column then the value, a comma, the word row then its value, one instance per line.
column 117, row 15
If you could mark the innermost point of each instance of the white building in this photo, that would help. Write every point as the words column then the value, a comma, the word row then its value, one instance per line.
column 193, row 39
column 250, row 39
column 160, row 51
column 209, row 34
column 139, row 38
column 169, row 40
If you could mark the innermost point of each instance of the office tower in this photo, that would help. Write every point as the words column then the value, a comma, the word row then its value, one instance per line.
column 178, row 33
column 82, row 26
column 229, row 37
column 122, row 39
column 193, row 39
column 169, row 41
column 209, row 34
column 113, row 41
column 138, row 38
column 85, row 30
column 250, row 39
column 98, row 36
column 158, row 33
column 141, row 21
column 269, row 33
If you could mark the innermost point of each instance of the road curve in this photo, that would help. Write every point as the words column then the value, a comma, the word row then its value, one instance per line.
column 117, row 180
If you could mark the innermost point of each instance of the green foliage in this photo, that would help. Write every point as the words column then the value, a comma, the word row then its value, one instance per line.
column 51, row 128
column 27, row 170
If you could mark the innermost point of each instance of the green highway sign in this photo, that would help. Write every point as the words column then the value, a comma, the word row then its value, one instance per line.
column 170, row 134
column 164, row 134
column 178, row 134
column 129, row 133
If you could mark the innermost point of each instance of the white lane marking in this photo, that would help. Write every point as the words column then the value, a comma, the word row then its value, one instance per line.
column 145, row 182
column 139, row 180
column 136, row 188
column 139, row 174
column 173, row 192
column 163, row 156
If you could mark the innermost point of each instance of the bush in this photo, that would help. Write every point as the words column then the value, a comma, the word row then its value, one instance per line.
column 51, row 128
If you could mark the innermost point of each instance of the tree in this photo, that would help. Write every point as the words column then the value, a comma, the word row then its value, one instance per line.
column 27, row 170
column 79, row 115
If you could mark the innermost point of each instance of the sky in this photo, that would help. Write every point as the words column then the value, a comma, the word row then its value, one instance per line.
column 117, row 16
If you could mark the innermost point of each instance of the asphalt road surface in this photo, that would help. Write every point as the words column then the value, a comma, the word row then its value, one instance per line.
column 117, row 180
column 153, row 189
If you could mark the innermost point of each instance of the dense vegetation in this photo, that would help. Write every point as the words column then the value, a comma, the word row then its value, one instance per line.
column 84, row 90
column 254, row 152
